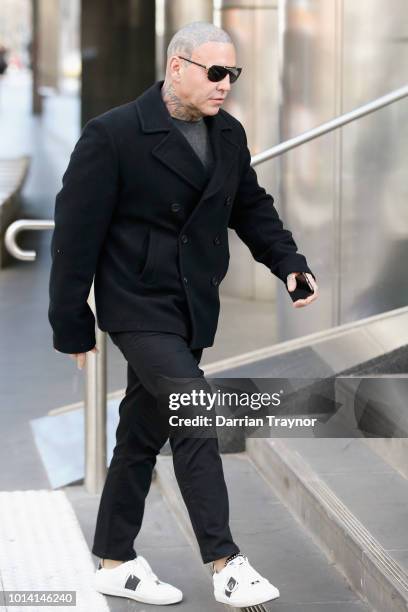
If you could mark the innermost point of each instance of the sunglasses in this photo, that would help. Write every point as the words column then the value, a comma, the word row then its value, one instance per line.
column 217, row 73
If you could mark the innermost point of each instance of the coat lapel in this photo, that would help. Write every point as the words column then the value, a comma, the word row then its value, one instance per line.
column 175, row 152
column 224, row 151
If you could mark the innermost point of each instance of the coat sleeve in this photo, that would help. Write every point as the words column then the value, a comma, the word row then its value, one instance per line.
column 83, row 209
column 257, row 223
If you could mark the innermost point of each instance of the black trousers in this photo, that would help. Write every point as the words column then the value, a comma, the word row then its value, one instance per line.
column 142, row 430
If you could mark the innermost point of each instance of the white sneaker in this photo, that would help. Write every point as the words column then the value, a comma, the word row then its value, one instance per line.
column 136, row 580
column 239, row 585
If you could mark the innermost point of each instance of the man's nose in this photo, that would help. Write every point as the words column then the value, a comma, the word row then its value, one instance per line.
column 225, row 84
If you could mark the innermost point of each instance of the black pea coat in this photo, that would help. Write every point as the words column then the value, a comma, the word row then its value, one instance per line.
column 137, row 214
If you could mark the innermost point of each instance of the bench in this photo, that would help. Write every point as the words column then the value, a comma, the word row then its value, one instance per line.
column 13, row 173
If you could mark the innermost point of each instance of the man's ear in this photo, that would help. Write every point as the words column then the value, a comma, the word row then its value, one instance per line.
column 175, row 68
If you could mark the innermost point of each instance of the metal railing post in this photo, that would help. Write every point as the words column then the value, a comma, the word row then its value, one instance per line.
column 95, row 413
column 95, row 402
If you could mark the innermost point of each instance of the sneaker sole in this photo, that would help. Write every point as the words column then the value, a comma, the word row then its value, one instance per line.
column 244, row 603
column 120, row 593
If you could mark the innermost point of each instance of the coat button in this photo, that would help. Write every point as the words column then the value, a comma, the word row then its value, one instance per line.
column 217, row 240
column 214, row 281
column 185, row 279
column 175, row 207
column 228, row 201
column 184, row 239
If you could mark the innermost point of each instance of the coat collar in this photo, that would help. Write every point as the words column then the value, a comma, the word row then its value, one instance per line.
column 175, row 152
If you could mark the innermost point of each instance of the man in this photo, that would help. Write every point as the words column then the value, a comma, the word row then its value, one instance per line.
column 148, row 195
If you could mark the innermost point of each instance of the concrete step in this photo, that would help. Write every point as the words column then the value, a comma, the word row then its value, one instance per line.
column 352, row 503
column 163, row 544
column 373, row 407
column 273, row 540
column 393, row 451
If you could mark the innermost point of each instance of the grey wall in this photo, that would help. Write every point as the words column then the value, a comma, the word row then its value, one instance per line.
column 345, row 194
column 253, row 26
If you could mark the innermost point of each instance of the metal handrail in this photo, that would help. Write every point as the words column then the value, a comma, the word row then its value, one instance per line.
column 331, row 125
column 10, row 237
column 96, row 370
column 24, row 224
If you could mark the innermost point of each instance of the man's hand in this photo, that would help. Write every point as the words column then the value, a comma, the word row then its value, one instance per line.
column 80, row 358
column 291, row 284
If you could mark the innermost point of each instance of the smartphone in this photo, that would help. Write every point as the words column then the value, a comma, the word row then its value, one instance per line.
column 303, row 288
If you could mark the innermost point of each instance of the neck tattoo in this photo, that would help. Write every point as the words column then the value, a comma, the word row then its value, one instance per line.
column 175, row 106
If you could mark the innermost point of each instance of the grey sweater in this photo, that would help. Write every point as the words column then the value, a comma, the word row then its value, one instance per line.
column 196, row 133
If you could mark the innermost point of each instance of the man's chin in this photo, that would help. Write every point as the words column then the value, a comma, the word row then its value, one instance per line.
column 212, row 109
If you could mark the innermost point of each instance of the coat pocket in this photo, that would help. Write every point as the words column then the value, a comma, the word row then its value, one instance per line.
column 148, row 273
